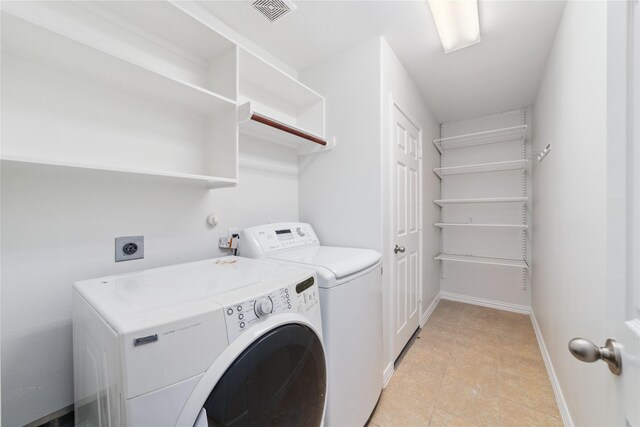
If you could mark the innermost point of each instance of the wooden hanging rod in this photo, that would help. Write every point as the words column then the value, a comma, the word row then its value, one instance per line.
column 275, row 124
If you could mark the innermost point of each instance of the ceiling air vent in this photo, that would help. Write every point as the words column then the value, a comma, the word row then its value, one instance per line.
column 274, row 9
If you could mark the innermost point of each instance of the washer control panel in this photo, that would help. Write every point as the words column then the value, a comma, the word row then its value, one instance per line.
column 300, row 298
column 275, row 237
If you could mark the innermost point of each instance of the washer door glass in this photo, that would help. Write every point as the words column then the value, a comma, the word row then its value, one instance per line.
column 280, row 380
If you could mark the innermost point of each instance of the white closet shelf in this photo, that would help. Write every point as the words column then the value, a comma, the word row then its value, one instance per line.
column 263, row 127
column 208, row 181
column 448, row 224
column 51, row 48
column 521, row 200
column 515, row 133
column 481, row 167
column 484, row 260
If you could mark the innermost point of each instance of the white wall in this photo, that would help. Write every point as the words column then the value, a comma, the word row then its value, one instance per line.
column 58, row 227
column 569, row 218
column 399, row 88
column 504, row 286
column 340, row 190
column 343, row 193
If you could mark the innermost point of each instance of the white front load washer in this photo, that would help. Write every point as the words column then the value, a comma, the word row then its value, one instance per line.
column 222, row 342
column 350, row 285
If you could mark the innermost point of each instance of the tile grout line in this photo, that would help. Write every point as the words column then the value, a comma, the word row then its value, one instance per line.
column 435, row 404
column 530, row 408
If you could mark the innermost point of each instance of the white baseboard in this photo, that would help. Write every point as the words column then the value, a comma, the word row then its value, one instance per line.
column 388, row 373
column 425, row 316
column 557, row 391
column 486, row 303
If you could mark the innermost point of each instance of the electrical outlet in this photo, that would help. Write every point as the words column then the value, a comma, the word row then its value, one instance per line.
column 224, row 243
column 129, row 247
column 228, row 242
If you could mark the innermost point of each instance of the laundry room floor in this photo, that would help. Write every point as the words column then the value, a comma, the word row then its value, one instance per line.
column 470, row 366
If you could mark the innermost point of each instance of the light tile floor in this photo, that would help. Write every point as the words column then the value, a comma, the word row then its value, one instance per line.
column 470, row 366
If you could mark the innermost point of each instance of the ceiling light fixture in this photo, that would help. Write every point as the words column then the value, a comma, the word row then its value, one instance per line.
column 457, row 23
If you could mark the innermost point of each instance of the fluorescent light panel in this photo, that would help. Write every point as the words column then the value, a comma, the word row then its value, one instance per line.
column 457, row 23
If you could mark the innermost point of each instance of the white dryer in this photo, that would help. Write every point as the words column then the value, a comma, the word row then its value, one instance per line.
column 351, row 300
column 226, row 342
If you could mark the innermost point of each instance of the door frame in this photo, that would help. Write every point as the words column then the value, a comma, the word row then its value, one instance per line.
column 623, row 202
column 633, row 116
column 388, row 250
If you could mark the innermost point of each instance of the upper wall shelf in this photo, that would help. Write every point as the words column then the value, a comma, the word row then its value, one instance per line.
column 152, row 42
column 40, row 45
column 521, row 200
column 278, row 97
column 515, row 133
column 482, row 167
column 258, row 74
column 204, row 180
column 114, row 89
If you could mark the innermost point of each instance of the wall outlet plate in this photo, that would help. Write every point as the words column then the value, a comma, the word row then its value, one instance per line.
column 224, row 243
column 129, row 247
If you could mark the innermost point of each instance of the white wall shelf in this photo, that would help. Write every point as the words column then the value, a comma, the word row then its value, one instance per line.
column 50, row 68
column 521, row 200
column 206, row 181
column 509, row 226
column 145, row 88
column 481, row 167
column 278, row 96
column 40, row 45
column 515, row 134
column 159, row 36
column 483, row 260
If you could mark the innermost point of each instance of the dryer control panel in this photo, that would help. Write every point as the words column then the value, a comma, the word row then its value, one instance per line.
column 269, row 238
column 302, row 298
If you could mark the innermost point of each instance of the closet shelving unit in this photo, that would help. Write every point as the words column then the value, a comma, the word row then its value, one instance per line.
column 111, row 63
column 515, row 134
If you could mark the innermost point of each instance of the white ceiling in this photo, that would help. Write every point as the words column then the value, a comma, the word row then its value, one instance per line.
column 500, row 73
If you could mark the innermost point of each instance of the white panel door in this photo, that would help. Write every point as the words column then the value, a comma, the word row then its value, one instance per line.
column 621, row 202
column 406, row 214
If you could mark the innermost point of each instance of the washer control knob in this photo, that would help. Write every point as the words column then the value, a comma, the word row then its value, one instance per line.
column 300, row 232
column 263, row 306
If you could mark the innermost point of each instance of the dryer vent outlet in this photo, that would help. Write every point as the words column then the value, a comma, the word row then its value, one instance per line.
column 274, row 9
